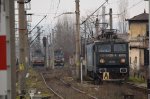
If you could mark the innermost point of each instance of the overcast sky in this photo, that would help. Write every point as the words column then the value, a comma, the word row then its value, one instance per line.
column 54, row 8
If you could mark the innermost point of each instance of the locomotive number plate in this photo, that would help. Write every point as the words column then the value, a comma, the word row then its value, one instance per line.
column 105, row 75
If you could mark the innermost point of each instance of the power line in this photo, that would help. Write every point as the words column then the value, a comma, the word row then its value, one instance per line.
column 36, row 36
column 43, row 14
column 94, row 12
column 131, row 7
column 38, row 24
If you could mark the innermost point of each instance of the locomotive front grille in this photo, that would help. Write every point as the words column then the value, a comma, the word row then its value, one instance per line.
column 101, row 70
column 113, row 70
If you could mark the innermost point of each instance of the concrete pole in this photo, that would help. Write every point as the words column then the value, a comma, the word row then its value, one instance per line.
column 81, row 72
column 53, row 48
column 11, row 59
column 77, row 39
column 47, row 53
column 26, row 44
column 97, row 27
column 12, row 94
column 22, row 34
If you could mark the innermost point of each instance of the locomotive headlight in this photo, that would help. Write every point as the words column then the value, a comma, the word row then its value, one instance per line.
column 102, row 61
column 122, row 60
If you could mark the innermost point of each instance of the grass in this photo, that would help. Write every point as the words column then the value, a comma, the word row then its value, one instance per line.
column 136, row 80
column 34, row 81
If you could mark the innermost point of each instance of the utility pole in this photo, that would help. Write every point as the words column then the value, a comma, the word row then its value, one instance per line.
column 77, row 39
column 47, row 53
column 22, row 49
column 11, row 73
column 110, row 14
column 26, row 44
column 52, row 49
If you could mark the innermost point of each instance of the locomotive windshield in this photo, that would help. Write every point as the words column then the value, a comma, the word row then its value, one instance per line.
column 58, row 53
column 120, row 47
column 104, row 48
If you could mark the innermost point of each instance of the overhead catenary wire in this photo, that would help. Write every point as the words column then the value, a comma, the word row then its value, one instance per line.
column 37, row 24
column 131, row 7
column 57, row 7
column 35, row 37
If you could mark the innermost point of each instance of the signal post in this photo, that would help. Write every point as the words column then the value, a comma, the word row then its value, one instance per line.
column 3, row 62
column 7, row 50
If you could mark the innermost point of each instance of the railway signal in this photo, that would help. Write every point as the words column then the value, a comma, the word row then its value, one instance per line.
column 44, row 41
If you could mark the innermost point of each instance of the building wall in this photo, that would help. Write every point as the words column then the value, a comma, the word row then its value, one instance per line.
column 134, row 61
column 137, row 29
column 136, row 58
column 137, row 52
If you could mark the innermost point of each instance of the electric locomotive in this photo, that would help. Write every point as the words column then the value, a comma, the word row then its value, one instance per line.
column 58, row 57
column 108, row 58
column 38, row 59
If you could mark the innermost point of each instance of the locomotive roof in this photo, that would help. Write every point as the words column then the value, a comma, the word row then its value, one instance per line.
column 110, row 40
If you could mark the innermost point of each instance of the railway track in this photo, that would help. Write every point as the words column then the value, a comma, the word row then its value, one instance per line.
column 136, row 87
column 61, row 97
column 64, row 90
column 55, row 81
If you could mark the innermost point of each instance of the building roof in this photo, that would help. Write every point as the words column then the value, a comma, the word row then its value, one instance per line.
column 140, row 17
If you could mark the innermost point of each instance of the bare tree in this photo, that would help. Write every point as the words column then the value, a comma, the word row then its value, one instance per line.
column 65, row 36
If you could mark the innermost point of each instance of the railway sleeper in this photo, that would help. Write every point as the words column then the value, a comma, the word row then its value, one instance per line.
column 128, row 96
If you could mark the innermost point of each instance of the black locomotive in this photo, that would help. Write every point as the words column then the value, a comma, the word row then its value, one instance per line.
column 108, row 58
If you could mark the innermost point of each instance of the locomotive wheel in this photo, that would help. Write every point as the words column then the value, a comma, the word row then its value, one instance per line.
column 97, row 82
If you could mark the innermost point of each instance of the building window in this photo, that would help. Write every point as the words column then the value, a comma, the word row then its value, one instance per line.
column 130, row 60
column 135, row 60
column 146, row 57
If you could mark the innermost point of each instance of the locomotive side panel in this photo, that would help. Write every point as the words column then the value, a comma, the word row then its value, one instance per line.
column 38, row 58
column 90, row 57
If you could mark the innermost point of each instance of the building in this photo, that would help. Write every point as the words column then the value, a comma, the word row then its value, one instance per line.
column 138, row 41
